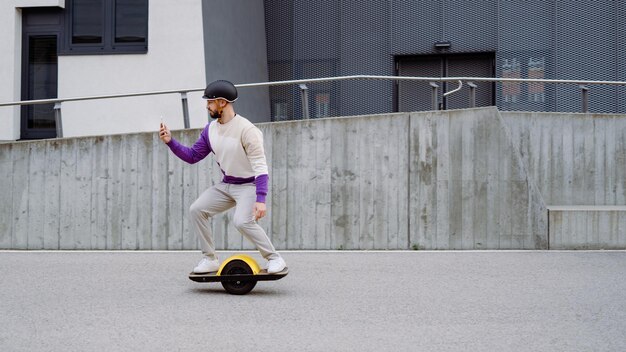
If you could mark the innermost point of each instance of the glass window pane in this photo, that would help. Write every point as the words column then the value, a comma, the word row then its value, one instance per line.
column 42, row 80
column 87, row 21
column 131, row 21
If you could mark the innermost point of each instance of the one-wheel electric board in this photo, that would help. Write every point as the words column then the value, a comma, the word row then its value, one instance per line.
column 239, row 274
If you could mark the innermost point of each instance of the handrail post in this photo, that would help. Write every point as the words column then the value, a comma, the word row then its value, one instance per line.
column 304, row 97
column 472, row 94
column 585, row 98
column 183, row 98
column 434, row 98
column 57, row 119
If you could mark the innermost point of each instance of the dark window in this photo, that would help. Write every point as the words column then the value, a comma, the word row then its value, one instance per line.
column 88, row 22
column 107, row 26
column 131, row 21
column 40, row 82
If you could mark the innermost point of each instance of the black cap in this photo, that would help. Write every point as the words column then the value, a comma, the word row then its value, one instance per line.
column 220, row 89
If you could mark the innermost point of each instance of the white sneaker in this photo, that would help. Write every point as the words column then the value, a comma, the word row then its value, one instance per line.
column 276, row 265
column 207, row 265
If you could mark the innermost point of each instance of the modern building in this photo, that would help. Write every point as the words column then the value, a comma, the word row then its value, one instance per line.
column 78, row 48
column 551, row 39
column 74, row 48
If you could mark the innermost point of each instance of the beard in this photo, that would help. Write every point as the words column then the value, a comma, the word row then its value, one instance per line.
column 215, row 114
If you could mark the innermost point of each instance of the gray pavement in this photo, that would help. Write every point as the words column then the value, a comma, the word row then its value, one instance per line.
column 330, row 301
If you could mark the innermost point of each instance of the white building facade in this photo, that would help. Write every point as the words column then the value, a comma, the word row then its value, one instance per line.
column 80, row 48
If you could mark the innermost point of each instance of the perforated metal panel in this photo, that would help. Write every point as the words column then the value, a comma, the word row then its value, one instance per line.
column 365, row 40
column 417, row 25
column 554, row 39
column 317, row 53
column 470, row 26
column 525, row 50
column 279, row 22
column 621, row 55
column 328, row 39
column 585, row 49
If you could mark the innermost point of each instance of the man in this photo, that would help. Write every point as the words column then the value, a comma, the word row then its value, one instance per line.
column 238, row 148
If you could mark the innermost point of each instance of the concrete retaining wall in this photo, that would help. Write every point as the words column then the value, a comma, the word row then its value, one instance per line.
column 578, row 162
column 575, row 159
column 587, row 227
column 428, row 180
column 468, row 186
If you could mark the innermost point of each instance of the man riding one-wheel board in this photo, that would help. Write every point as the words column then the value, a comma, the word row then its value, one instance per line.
column 238, row 148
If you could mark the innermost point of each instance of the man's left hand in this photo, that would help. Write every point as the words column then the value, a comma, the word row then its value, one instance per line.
column 259, row 210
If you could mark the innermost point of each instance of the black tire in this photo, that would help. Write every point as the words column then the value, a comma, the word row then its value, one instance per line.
column 238, row 267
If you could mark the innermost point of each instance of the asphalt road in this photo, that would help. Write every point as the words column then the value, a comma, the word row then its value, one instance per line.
column 330, row 301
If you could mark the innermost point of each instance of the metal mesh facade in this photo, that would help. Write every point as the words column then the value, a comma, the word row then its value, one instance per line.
column 525, row 50
column 585, row 47
column 557, row 39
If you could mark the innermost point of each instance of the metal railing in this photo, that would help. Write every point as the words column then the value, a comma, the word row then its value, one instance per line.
column 583, row 86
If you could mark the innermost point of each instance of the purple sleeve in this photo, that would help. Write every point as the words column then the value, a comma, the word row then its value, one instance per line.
column 197, row 152
column 261, row 187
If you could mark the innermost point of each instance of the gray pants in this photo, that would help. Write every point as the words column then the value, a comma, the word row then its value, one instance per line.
column 220, row 198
